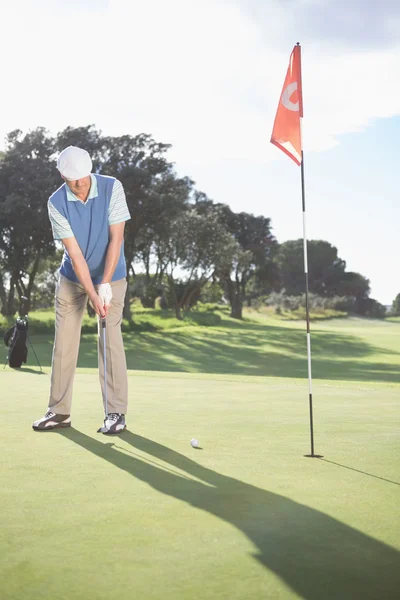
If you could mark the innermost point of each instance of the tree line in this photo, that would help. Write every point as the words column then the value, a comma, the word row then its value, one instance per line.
column 178, row 242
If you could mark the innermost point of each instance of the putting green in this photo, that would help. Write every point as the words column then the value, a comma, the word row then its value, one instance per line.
column 247, row 517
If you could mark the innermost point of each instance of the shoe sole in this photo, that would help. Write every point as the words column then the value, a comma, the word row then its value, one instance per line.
column 59, row 426
column 111, row 432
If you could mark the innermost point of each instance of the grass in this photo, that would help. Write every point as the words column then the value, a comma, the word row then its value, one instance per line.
column 299, row 314
column 246, row 517
column 145, row 320
column 353, row 349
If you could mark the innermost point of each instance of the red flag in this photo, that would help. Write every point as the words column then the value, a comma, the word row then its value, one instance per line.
column 287, row 129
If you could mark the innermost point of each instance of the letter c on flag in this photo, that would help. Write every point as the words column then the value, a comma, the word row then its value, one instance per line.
column 286, row 94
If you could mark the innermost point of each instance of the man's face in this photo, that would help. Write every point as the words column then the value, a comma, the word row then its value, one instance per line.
column 79, row 186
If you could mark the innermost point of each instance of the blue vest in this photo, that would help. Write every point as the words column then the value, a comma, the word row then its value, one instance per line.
column 89, row 223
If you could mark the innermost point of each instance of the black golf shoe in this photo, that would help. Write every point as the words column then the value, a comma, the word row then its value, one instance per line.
column 113, row 424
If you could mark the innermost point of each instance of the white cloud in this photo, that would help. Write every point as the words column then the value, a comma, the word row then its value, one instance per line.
column 204, row 76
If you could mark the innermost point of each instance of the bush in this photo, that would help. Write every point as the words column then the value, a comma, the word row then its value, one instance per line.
column 145, row 288
column 205, row 319
column 292, row 303
column 368, row 307
column 345, row 303
column 211, row 293
column 316, row 303
column 162, row 303
column 208, row 307
column 183, row 290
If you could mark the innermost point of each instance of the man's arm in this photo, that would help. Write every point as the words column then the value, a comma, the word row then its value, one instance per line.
column 118, row 213
column 113, row 250
column 81, row 269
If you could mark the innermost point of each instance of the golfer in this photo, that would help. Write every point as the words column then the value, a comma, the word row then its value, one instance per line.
column 88, row 214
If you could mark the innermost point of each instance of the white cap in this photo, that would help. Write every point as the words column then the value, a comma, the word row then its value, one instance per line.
column 74, row 163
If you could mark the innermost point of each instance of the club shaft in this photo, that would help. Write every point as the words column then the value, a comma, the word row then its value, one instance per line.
column 105, row 368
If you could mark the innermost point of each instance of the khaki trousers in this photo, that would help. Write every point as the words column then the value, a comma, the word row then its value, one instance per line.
column 70, row 304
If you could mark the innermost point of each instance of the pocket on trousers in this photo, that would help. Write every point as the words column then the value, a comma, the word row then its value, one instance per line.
column 119, row 291
column 68, row 292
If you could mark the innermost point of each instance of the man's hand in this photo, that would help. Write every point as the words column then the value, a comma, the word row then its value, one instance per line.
column 98, row 305
column 105, row 293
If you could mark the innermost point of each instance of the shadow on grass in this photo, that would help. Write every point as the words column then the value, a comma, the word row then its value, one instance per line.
column 316, row 555
column 36, row 371
column 359, row 471
column 246, row 348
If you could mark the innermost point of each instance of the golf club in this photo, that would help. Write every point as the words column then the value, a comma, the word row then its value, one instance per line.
column 103, row 326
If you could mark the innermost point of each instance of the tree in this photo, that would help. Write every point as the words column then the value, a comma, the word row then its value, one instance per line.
column 325, row 268
column 45, row 282
column 352, row 284
column 396, row 306
column 252, row 258
column 368, row 307
column 168, row 198
column 90, row 139
column 140, row 164
column 327, row 275
column 27, row 178
column 195, row 245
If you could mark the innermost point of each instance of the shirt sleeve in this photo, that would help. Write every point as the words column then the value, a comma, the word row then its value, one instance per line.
column 59, row 224
column 118, row 209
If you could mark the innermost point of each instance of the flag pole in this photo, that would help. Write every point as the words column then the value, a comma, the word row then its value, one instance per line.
column 303, row 200
column 310, row 395
column 287, row 136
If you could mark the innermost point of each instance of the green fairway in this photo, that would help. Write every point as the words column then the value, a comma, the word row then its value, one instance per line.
column 246, row 517
column 353, row 349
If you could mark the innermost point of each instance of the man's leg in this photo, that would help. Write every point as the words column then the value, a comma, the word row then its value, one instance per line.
column 71, row 301
column 117, row 377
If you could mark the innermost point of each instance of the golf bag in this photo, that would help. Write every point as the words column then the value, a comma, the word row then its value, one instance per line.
column 16, row 340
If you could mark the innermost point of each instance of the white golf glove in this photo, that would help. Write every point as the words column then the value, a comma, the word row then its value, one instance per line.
column 105, row 293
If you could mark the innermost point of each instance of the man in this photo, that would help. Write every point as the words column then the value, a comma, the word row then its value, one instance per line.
column 88, row 214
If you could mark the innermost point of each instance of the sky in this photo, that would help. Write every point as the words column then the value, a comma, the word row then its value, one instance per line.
column 206, row 77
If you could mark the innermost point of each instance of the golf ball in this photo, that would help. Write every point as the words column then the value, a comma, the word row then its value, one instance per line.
column 194, row 443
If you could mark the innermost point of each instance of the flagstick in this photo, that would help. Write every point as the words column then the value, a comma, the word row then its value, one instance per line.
column 287, row 136
column 303, row 196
